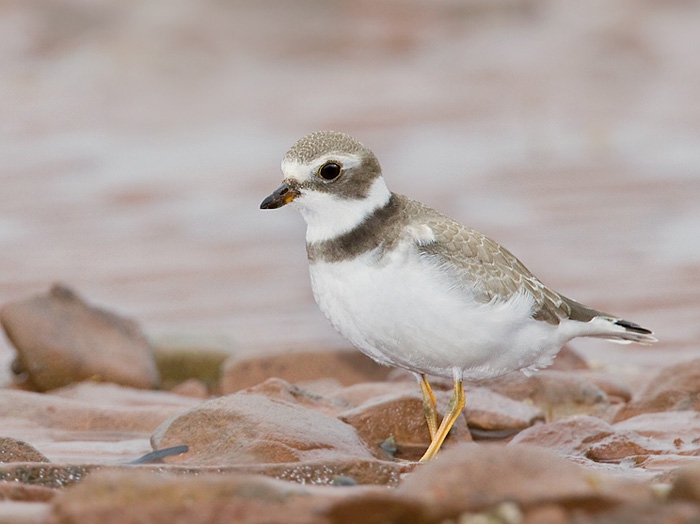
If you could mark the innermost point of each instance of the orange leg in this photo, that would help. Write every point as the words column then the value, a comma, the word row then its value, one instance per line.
column 455, row 407
column 429, row 406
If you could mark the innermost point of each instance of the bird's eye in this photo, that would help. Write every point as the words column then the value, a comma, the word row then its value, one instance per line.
column 330, row 170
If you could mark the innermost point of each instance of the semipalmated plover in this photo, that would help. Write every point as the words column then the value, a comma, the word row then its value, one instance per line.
column 413, row 288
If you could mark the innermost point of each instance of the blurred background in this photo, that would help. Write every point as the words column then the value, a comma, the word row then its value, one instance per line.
column 137, row 139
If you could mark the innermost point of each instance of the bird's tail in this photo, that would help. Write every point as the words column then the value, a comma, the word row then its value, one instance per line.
column 624, row 332
column 609, row 327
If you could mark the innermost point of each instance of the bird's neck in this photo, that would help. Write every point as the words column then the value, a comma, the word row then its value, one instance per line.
column 328, row 217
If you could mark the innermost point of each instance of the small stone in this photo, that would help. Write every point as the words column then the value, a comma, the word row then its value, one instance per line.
column 276, row 388
column 248, row 428
column 60, row 339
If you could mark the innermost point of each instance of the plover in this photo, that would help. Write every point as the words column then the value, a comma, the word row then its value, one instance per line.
column 415, row 289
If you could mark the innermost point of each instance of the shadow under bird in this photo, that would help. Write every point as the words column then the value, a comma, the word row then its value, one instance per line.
column 415, row 289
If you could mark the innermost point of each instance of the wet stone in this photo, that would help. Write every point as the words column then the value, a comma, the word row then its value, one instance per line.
column 252, row 428
column 61, row 339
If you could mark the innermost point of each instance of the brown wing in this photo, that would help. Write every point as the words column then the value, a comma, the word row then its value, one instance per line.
column 478, row 263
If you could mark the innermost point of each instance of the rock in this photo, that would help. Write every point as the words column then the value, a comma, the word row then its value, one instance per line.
column 253, row 428
column 489, row 411
column 183, row 357
column 677, row 430
column 64, row 413
column 16, row 491
column 113, row 395
column 276, row 388
column 399, row 416
column 477, row 477
column 138, row 496
column 357, row 394
column 12, row 450
column 569, row 436
column 592, row 438
column 347, row 366
column 674, row 388
column 558, row 394
column 60, row 339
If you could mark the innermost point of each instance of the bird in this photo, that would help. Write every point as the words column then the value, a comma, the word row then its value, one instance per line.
column 414, row 289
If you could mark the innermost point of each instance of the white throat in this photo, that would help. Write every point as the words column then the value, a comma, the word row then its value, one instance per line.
column 328, row 216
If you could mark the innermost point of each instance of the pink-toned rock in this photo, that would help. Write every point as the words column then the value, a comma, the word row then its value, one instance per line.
column 674, row 388
column 113, row 395
column 17, row 491
column 52, row 411
column 485, row 409
column 138, row 496
column 592, row 438
column 476, row 477
column 252, row 428
column 347, row 366
column 569, row 436
column 60, row 339
column 489, row 411
column 358, row 394
column 13, row 450
column 679, row 430
column 278, row 389
column 399, row 416
column 558, row 394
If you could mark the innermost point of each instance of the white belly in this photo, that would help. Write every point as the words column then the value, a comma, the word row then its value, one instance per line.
column 404, row 312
